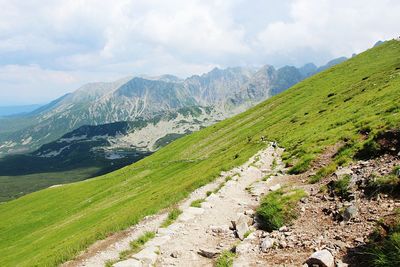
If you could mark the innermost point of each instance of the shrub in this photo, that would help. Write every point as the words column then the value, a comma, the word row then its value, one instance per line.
column 279, row 208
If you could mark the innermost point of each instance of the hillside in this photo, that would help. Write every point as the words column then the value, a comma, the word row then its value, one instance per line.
column 51, row 226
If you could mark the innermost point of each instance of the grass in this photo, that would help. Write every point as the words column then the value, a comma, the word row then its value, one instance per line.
column 247, row 233
column 384, row 250
column 197, row 203
column 389, row 184
column 322, row 173
column 53, row 225
column 137, row 244
column 225, row 259
column 387, row 253
column 172, row 216
column 279, row 208
column 341, row 186
column 274, row 164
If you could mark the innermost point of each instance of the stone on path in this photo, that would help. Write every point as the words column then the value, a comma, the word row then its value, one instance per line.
column 349, row 213
column 208, row 253
column 241, row 226
column 147, row 255
column 321, row 258
column 275, row 187
column 266, row 244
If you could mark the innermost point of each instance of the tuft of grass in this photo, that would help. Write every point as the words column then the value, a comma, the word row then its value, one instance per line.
column 387, row 253
column 396, row 171
column 137, row 244
column 197, row 203
column 341, row 186
column 322, row 173
column 274, row 164
column 208, row 193
column 247, row 233
column 279, row 208
column 389, row 184
column 110, row 263
column 216, row 190
column 225, row 259
column 172, row 216
column 266, row 177
column 228, row 178
column 384, row 251
column 301, row 166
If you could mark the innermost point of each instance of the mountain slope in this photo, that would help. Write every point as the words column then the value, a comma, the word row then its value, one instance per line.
column 50, row 226
column 224, row 91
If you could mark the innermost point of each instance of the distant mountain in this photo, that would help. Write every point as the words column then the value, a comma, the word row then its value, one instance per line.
column 213, row 96
column 15, row 110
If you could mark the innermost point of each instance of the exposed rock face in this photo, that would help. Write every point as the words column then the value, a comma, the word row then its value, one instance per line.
column 322, row 258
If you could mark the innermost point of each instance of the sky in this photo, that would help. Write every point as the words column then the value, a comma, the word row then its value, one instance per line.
column 49, row 48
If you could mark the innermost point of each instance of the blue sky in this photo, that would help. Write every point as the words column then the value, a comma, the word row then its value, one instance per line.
column 48, row 48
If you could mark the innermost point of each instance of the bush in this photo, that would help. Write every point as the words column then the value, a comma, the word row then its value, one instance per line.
column 279, row 208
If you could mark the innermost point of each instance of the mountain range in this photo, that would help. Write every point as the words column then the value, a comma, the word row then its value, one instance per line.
column 185, row 104
column 104, row 126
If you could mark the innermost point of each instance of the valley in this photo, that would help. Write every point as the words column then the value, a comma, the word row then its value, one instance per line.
column 102, row 127
column 352, row 104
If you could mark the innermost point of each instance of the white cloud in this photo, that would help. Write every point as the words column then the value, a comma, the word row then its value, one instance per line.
column 44, row 41
column 29, row 83
column 331, row 28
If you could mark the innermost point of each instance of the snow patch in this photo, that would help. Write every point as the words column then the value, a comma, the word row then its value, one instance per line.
column 54, row 153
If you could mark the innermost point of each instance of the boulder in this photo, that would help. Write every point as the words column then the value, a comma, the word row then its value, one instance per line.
column 243, row 248
column 349, row 212
column 321, row 258
column 266, row 244
column 241, row 226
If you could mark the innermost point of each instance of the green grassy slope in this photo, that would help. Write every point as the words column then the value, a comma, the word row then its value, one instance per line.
column 50, row 226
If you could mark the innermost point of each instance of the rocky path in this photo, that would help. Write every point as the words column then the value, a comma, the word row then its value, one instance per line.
column 206, row 230
column 203, row 229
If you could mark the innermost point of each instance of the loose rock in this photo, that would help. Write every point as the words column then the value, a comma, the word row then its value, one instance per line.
column 321, row 258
